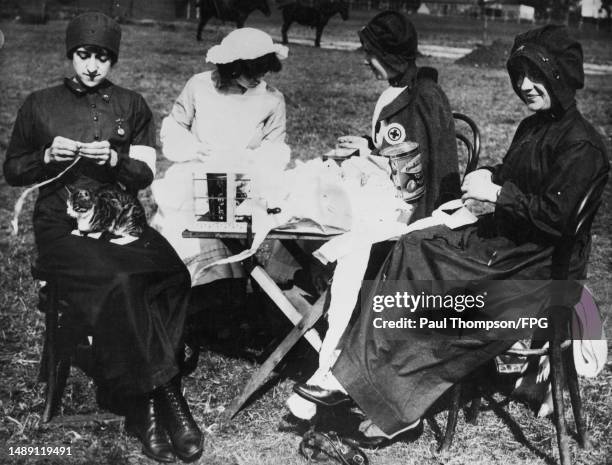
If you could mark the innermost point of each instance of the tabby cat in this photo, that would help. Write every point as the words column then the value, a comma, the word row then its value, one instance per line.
column 107, row 212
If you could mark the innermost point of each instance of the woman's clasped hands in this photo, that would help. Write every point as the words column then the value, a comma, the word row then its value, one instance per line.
column 478, row 185
column 63, row 149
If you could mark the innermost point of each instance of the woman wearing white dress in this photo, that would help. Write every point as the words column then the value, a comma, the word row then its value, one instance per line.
column 224, row 120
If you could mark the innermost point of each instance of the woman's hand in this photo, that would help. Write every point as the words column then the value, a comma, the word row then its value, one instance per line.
column 354, row 142
column 62, row 149
column 100, row 152
column 204, row 151
column 477, row 185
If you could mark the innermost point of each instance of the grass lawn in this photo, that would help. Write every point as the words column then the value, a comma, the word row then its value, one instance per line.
column 329, row 93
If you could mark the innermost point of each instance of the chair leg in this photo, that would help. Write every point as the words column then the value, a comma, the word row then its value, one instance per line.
column 62, row 373
column 559, row 409
column 473, row 411
column 574, row 390
column 51, row 353
column 453, row 413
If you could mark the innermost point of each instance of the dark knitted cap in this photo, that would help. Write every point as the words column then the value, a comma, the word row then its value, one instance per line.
column 556, row 55
column 93, row 29
column 392, row 38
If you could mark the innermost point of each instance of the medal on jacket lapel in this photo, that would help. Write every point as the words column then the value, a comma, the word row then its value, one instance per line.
column 120, row 129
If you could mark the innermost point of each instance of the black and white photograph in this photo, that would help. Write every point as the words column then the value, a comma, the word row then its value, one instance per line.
column 292, row 232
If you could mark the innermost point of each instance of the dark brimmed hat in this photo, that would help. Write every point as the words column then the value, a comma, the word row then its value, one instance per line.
column 556, row 55
column 93, row 29
column 392, row 38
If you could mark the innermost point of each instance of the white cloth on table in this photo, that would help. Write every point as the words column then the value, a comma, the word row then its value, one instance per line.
column 242, row 132
column 321, row 197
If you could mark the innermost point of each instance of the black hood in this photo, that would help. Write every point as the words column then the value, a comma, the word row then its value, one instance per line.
column 557, row 56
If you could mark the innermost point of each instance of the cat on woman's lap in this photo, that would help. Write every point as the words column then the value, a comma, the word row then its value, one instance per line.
column 107, row 212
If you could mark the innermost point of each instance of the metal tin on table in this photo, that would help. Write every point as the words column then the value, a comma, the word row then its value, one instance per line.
column 406, row 169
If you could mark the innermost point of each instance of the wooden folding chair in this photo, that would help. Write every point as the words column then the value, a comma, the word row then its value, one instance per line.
column 61, row 341
column 562, row 368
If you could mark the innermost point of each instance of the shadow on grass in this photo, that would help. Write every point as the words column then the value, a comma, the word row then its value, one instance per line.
column 470, row 391
column 251, row 331
column 516, row 430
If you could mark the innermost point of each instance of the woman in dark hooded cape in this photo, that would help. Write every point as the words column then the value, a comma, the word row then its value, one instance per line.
column 504, row 259
column 413, row 108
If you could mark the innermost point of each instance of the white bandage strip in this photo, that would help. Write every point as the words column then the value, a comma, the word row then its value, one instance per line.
column 24, row 194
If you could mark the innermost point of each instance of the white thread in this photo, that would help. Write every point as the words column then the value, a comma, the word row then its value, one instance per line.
column 24, row 194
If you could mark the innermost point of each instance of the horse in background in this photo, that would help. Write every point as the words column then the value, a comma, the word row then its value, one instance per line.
column 316, row 16
column 229, row 10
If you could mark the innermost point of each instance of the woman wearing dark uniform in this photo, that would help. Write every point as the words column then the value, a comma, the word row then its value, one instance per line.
column 130, row 298
column 555, row 156
column 413, row 108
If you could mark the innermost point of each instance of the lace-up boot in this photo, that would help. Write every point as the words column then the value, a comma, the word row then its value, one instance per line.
column 144, row 422
column 184, row 433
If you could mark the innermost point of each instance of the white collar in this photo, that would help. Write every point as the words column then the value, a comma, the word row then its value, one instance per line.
column 259, row 89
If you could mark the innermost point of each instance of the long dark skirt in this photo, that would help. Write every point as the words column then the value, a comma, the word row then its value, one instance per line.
column 131, row 298
column 395, row 375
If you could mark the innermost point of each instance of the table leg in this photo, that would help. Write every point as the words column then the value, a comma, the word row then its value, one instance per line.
column 285, row 346
column 277, row 296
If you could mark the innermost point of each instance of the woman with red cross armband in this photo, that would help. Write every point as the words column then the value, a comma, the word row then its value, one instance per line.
column 413, row 108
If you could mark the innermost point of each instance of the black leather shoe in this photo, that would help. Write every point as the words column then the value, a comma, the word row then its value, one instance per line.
column 144, row 423
column 185, row 435
column 368, row 442
column 358, row 439
column 321, row 396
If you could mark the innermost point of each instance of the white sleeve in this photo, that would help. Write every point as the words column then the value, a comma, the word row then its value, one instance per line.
column 273, row 149
column 178, row 142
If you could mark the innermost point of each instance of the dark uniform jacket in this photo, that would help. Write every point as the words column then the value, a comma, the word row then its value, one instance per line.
column 551, row 163
column 71, row 110
column 423, row 114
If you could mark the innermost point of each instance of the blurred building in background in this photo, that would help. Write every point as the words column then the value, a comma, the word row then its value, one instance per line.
column 590, row 8
column 38, row 11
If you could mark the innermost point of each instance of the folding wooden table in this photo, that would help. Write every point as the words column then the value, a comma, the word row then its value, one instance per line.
column 303, row 318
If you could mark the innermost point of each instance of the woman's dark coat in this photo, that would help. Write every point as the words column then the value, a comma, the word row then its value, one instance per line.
column 424, row 113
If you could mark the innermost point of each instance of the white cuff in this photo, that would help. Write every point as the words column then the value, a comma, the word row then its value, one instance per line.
column 145, row 154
